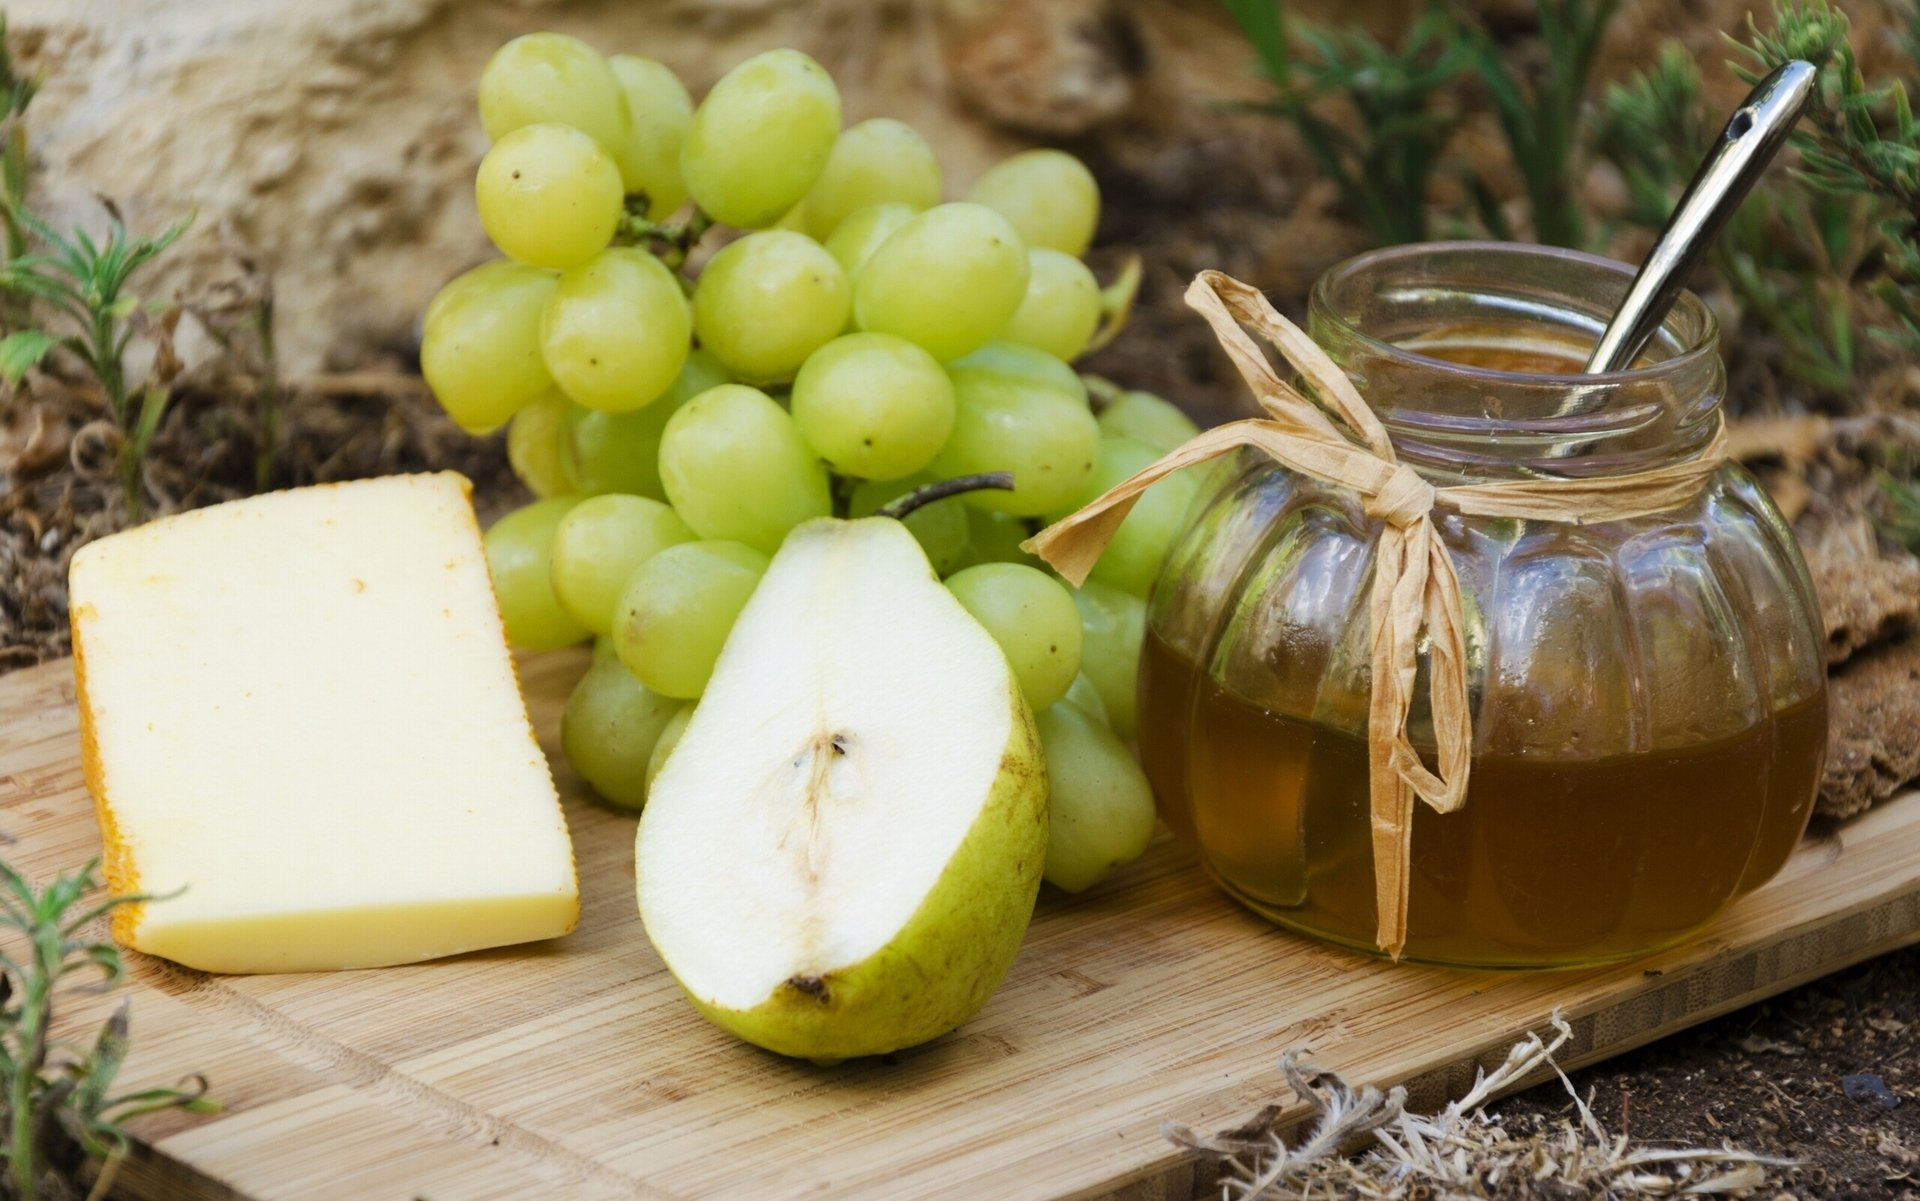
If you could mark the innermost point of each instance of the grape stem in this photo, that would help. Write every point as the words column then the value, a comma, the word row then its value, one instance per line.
column 1101, row 391
column 673, row 240
column 900, row 507
column 1116, row 305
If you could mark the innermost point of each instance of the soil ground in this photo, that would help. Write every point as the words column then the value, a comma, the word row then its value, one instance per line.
column 1828, row 1075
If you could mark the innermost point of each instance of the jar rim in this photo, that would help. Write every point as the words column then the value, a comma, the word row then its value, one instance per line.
column 1690, row 324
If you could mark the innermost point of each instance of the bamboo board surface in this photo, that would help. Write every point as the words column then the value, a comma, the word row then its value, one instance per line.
column 575, row 1070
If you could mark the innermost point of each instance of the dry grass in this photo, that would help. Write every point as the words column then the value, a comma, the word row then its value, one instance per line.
column 1363, row 1143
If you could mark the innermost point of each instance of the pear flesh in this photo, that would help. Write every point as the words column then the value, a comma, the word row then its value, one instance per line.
column 841, row 855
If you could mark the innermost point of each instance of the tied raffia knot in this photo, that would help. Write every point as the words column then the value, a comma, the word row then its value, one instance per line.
column 1404, row 499
column 1416, row 591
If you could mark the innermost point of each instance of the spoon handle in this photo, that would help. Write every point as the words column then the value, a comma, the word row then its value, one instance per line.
column 1755, row 133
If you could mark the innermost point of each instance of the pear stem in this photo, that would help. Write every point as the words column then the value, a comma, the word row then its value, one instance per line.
column 901, row 506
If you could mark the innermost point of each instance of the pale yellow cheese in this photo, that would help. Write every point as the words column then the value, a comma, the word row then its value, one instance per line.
column 298, row 713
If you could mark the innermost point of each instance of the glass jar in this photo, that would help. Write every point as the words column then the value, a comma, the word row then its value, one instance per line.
column 1648, row 699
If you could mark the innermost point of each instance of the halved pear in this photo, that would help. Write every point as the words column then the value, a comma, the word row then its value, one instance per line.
column 841, row 855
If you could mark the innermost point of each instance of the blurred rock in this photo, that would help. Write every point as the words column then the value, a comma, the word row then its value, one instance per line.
column 1057, row 69
column 335, row 140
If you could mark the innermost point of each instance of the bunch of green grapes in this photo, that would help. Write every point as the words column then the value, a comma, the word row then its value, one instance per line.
column 858, row 340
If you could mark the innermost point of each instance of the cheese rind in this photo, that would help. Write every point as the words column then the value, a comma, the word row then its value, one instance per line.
column 301, row 727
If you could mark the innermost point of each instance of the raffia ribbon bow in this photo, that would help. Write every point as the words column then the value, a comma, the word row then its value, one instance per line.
column 1415, row 588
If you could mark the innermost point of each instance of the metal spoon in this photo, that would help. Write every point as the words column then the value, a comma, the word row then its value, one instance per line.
column 1756, row 132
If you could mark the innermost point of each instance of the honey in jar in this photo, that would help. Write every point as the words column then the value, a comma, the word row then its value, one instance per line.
column 1649, row 708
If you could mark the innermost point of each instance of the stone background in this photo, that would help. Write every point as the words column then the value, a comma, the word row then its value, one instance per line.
column 335, row 140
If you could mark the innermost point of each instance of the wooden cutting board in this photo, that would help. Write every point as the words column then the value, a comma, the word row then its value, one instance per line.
column 575, row 1069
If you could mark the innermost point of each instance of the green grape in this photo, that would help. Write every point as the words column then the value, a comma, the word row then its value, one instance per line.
column 597, row 546
column 533, row 445
column 616, row 331
column 478, row 279
column 768, row 301
column 677, row 609
column 760, row 138
column 795, row 221
column 1099, row 806
column 1116, row 459
column 620, row 452
column 1061, row 308
column 873, row 405
column 549, row 195
column 857, row 237
column 551, row 78
column 1032, row 616
column 1048, row 195
column 480, row 351
column 940, row 527
column 1008, row 422
column 1024, row 362
column 603, row 648
column 1133, row 557
column 735, row 468
column 1114, row 623
column 519, row 546
column 661, row 111
column 879, row 161
column 947, row 280
column 609, row 729
column 1081, row 694
column 995, row 538
column 1146, row 418
column 669, row 738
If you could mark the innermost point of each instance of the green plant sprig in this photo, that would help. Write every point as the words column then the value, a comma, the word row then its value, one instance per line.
column 16, row 93
column 1407, row 104
column 1398, row 95
column 52, row 1089
column 82, row 287
column 1801, row 261
column 1652, row 128
column 1542, row 122
column 1901, row 521
column 1860, row 141
column 1787, row 254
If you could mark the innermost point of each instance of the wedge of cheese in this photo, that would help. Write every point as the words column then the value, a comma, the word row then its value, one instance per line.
column 302, row 730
